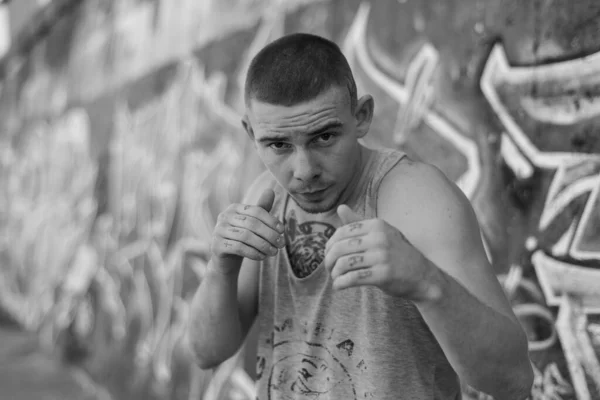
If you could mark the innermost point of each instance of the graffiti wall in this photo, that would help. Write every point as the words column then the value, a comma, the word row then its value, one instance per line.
column 120, row 142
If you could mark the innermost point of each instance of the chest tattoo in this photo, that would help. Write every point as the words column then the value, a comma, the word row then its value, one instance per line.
column 306, row 244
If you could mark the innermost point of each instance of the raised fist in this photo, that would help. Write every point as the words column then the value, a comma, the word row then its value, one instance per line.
column 247, row 231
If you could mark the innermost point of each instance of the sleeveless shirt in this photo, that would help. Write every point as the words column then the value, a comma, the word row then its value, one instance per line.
column 357, row 343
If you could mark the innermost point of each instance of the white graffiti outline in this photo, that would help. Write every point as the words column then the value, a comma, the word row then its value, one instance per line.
column 419, row 77
column 355, row 49
column 559, row 197
column 582, row 281
column 513, row 157
column 497, row 69
column 585, row 217
column 557, row 201
column 555, row 277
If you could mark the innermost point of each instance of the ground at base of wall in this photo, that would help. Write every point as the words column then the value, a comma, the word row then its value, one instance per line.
column 27, row 373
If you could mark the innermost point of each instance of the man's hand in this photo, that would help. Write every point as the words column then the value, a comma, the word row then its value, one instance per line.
column 246, row 231
column 372, row 252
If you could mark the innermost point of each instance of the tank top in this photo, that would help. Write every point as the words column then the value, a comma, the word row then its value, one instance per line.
column 359, row 343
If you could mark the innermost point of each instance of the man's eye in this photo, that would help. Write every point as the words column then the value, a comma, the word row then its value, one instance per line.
column 325, row 138
column 279, row 145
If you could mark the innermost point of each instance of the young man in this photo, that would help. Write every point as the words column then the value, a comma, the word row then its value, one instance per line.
column 364, row 270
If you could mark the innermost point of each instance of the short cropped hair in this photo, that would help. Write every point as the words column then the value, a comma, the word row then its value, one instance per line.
column 297, row 68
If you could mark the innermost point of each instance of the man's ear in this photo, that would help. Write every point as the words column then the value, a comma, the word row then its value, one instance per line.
column 364, row 114
column 248, row 127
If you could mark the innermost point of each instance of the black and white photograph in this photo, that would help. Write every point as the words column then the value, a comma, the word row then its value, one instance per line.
column 299, row 199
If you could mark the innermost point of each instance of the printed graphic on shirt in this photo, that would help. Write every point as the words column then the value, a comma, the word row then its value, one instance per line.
column 320, row 368
column 309, row 374
column 306, row 244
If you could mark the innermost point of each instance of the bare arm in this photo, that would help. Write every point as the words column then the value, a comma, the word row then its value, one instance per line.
column 470, row 317
column 220, row 318
column 426, row 247
column 225, row 304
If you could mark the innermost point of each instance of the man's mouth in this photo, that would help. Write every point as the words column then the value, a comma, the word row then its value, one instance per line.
column 312, row 191
column 313, row 194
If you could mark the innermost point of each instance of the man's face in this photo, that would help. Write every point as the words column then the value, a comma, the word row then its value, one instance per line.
column 311, row 148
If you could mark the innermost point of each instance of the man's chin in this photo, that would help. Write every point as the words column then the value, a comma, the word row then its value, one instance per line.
column 316, row 207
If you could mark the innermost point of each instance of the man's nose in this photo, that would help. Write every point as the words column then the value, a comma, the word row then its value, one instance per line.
column 306, row 168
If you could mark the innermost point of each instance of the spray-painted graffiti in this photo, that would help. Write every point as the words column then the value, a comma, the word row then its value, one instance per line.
column 565, row 245
column 135, row 124
column 546, row 120
column 566, row 113
column 48, row 213
column 414, row 101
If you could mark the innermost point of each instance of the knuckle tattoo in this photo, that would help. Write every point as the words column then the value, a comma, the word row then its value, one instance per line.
column 239, row 217
column 365, row 273
column 354, row 260
column 354, row 242
column 354, row 226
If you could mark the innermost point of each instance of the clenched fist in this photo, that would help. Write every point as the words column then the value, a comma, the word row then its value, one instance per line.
column 372, row 252
column 246, row 231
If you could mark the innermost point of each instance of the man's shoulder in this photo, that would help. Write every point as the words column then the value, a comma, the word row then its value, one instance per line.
column 413, row 190
column 410, row 178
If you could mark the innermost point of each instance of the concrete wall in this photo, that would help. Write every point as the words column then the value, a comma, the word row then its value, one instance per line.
column 121, row 142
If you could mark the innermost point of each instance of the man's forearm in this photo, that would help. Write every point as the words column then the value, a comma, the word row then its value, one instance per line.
column 486, row 348
column 216, row 332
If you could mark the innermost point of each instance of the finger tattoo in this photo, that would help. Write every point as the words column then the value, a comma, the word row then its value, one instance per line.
column 239, row 217
column 355, row 242
column 234, row 230
column 227, row 244
column 354, row 226
column 246, row 207
column 365, row 273
column 352, row 261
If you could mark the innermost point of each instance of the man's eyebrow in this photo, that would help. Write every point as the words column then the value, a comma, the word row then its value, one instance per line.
column 273, row 138
column 326, row 127
column 283, row 138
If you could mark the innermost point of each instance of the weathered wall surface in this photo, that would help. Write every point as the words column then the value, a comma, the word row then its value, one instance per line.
column 121, row 142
